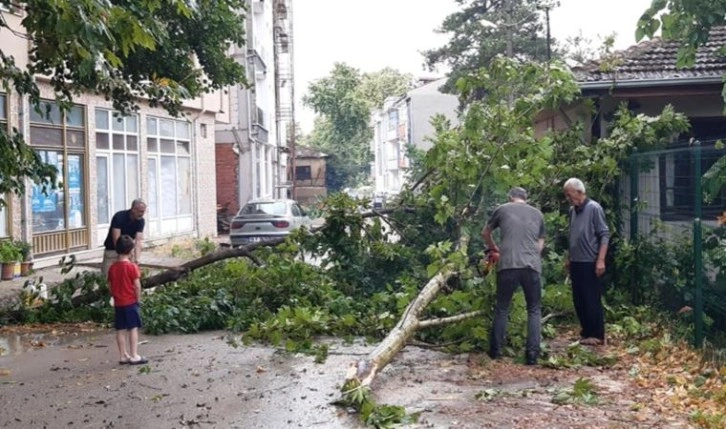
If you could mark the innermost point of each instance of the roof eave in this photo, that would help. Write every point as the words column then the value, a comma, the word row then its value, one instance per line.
column 652, row 82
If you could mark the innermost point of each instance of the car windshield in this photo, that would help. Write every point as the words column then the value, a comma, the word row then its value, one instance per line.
column 271, row 208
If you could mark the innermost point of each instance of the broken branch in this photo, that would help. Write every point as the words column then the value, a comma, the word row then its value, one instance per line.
column 447, row 320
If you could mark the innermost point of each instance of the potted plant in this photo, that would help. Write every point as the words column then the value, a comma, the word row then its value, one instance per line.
column 26, row 258
column 9, row 256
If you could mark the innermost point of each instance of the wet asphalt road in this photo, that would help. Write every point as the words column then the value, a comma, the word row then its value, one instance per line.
column 195, row 381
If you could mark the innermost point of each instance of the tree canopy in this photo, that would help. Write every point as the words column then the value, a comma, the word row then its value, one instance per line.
column 481, row 29
column 164, row 51
column 344, row 100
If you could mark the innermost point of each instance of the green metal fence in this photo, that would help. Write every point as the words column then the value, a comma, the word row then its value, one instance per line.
column 675, row 257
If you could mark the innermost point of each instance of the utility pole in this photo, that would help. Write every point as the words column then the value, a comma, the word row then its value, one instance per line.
column 510, row 29
column 547, row 21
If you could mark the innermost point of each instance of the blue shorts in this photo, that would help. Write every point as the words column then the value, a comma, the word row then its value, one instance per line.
column 128, row 317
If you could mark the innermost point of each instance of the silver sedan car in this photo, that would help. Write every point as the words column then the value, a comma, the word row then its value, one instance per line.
column 260, row 220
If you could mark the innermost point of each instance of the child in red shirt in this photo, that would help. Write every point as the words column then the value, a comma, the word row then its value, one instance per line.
column 124, row 279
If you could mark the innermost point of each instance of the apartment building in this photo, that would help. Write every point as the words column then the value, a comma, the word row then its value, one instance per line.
column 105, row 161
column 252, row 149
column 405, row 121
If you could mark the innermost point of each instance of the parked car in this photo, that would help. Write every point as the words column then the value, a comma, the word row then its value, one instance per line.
column 260, row 220
column 379, row 201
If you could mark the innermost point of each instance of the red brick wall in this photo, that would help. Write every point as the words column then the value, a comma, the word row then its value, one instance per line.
column 227, row 165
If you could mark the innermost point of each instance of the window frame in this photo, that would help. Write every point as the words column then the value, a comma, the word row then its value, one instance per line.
column 682, row 190
column 302, row 177
column 109, row 153
column 392, row 119
column 39, row 122
column 5, row 222
column 155, row 155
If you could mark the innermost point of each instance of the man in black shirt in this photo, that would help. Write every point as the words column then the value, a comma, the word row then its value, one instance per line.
column 126, row 222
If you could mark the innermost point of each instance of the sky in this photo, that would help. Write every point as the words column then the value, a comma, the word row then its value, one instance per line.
column 374, row 34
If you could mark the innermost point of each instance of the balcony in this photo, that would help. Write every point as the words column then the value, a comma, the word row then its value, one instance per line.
column 281, row 10
column 256, row 62
column 392, row 164
column 403, row 132
column 260, row 133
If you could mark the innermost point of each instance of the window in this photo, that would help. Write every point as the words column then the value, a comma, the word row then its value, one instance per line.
column 677, row 183
column 117, row 163
column 260, row 117
column 302, row 172
column 4, row 229
column 170, row 168
column 3, row 110
column 257, row 179
column 272, row 208
column 392, row 120
column 60, row 140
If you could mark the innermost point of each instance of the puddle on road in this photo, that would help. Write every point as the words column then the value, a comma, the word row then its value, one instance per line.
column 16, row 344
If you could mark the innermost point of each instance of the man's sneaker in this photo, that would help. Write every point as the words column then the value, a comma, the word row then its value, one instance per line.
column 495, row 354
column 530, row 358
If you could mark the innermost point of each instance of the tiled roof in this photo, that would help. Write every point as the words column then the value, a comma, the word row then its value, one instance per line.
column 656, row 59
column 308, row 152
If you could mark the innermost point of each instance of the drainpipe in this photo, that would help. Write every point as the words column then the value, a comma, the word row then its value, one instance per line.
column 195, row 166
column 238, row 149
column 25, row 233
column 253, row 152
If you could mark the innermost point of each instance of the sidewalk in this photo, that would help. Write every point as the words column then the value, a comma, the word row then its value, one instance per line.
column 154, row 258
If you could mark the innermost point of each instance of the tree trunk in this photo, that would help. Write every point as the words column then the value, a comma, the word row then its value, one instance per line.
column 365, row 370
column 176, row 273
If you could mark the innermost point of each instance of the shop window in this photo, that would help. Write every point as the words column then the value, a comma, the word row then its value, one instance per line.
column 59, row 139
column 170, row 185
column 49, row 208
column 117, row 163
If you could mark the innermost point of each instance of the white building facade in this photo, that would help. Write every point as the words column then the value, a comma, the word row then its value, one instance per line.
column 256, row 134
column 104, row 162
column 401, row 122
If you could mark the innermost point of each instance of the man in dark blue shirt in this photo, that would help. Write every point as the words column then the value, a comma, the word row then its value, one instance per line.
column 126, row 222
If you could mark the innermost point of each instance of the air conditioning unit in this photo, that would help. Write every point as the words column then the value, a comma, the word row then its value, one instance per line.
column 258, row 6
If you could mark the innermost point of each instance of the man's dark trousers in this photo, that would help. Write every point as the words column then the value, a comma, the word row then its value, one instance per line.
column 507, row 283
column 587, row 293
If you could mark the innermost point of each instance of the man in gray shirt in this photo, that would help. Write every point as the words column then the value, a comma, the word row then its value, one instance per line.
column 589, row 237
column 522, row 235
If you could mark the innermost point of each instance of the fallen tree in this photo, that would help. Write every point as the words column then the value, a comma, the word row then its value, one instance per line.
column 173, row 274
column 466, row 172
column 470, row 167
